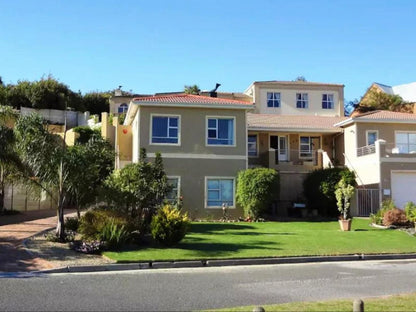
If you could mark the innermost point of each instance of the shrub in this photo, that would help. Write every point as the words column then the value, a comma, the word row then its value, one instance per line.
column 114, row 235
column 72, row 224
column 410, row 211
column 319, row 189
column 93, row 223
column 343, row 194
column 395, row 217
column 256, row 189
column 386, row 205
column 169, row 226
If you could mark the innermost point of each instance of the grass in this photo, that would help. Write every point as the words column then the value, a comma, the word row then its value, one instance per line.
column 389, row 303
column 273, row 239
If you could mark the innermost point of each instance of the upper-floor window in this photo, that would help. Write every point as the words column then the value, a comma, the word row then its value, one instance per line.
column 327, row 101
column 165, row 129
column 406, row 142
column 122, row 108
column 220, row 131
column 252, row 145
column 372, row 137
column 302, row 100
column 273, row 99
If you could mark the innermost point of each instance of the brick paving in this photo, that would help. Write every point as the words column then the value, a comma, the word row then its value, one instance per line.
column 14, row 230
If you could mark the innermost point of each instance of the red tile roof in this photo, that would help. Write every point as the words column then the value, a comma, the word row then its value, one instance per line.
column 293, row 122
column 381, row 116
column 189, row 99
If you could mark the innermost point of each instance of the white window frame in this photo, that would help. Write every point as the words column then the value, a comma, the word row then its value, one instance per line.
column 257, row 145
column 206, row 191
column 178, row 193
column 367, row 132
column 125, row 108
column 165, row 115
column 305, row 101
column 329, row 104
column 405, row 132
column 220, row 117
column 274, row 100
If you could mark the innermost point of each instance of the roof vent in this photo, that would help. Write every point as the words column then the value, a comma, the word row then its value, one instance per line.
column 213, row 92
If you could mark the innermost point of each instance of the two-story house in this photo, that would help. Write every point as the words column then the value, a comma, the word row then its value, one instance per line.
column 203, row 142
column 380, row 147
column 292, row 130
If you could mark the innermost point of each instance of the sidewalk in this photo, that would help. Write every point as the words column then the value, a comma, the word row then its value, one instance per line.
column 14, row 229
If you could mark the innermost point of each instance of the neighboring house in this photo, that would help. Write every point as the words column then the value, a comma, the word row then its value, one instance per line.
column 292, row 130
column 380, row 147
column 406, row 91
column 203, row 142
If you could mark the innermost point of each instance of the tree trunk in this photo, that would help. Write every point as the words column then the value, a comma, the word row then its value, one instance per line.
column 1, row 189
column 60, row 227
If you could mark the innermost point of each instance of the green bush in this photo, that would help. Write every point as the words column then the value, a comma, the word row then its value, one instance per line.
column 386, row 205
column 410, row 211
column 94, row 222
column 256, row 189
column 72, row 224
column 169, row 226
column 319, row 189
column 114, row 235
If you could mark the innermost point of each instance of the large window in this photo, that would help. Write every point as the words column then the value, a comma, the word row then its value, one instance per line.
column 372, row 137
column 219, row 191
column 173, row 194
column 122, row 108
column 165, row 129
column 220, row 131
column 252, row 145
column 327, row 101
column 302, row 100
column 406, row 142
column 273, row 99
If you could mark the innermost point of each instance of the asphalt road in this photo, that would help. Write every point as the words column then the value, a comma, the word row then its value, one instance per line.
column 205, row 288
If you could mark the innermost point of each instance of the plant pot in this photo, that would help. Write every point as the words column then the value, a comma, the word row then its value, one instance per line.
column 345, row 225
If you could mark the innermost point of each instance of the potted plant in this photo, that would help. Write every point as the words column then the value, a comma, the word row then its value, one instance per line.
column 343, row 194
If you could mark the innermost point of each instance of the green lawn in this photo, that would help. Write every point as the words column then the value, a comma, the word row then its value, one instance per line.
column 274, row 239
column 391, row 303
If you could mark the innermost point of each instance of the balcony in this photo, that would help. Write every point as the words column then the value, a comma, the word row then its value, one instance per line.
column 388, row 150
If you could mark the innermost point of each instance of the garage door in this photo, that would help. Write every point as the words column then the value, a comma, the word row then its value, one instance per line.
column 403, row 187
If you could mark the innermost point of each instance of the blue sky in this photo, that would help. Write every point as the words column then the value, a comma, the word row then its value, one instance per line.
column 159, row 46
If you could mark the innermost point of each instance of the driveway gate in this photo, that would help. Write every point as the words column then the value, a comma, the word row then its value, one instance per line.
column 367, row 201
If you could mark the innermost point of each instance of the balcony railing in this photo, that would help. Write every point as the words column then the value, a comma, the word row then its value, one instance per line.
column 294, row 157
column 366, row 150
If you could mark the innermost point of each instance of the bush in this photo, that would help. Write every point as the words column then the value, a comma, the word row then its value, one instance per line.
column 169, row 226
column 378, row 217
column 395, row 217
column 256, row 189
column 410, row 211
column 72, row 224
column 319, row 189
column 94, row 222
column 114, row 235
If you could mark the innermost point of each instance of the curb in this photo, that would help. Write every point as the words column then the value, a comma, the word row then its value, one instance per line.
column 221, row 263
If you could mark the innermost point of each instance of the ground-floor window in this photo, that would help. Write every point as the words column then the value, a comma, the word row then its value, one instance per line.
column 173, row 194
column 219, row 191
column 252, row 145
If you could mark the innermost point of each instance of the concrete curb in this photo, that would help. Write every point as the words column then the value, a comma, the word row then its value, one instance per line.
column 227, row 262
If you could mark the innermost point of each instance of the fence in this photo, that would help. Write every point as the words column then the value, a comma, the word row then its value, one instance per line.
column 367, row 201
column 18, row 198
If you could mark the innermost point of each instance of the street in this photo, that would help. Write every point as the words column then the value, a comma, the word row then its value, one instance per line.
column 205, row 288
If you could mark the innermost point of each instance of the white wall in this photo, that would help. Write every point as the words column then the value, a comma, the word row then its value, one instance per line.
column 55, row 116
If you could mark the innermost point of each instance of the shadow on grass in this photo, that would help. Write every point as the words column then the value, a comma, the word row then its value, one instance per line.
column 210, row 228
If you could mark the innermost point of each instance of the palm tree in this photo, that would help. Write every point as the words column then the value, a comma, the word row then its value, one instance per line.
column 192, row 89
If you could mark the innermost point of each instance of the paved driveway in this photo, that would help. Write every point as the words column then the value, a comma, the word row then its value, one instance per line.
column 15, row 229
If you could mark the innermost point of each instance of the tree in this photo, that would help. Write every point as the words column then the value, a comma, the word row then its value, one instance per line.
column 343, row 194
column 256, row 189
column 138, row 189
column 192, row 89
column 96, row 102
column 376, row 99
column 300, row 78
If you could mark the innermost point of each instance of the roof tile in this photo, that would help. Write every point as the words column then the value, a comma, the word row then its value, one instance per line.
column 189, row 99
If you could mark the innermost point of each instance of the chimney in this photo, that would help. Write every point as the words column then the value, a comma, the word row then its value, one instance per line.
column 213, row 92
column 117, row 92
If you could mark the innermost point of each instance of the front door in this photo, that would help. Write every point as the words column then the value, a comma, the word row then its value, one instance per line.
column 279, row 143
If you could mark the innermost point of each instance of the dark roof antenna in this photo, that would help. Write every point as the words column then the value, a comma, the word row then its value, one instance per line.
column 213, row 92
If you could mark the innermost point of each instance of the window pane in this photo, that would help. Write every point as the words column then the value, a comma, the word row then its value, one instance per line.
column 412, row 138
column 213, row 184
column 227, row 193
column 159, row 127
column 304, row 140
column 372, row 138
column 223, row 128
column 212, row 123
column 212, row 133
column 401, row 138
column 269, row 95
column 324, row 97
column 173, row 133
column 173, row 121
column 269, row 103
column 213, row 195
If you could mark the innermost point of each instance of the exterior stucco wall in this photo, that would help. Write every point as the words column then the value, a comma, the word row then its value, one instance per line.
column 386, row 131
column 193, row 127
column 288, row 99
column 386, row 170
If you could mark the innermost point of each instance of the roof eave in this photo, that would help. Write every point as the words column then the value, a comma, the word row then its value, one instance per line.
column 295, row 130
column 197, row 105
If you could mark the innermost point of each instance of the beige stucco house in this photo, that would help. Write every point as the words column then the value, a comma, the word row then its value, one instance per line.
column 203, row 142
column 380, row 147
column 292, row 130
